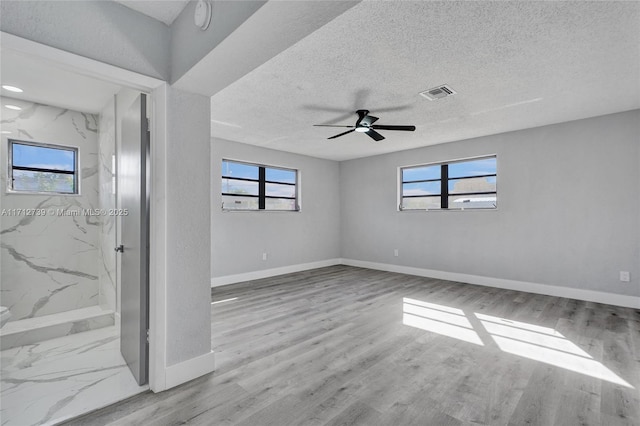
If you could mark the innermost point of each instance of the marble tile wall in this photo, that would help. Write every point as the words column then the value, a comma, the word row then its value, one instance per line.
column 49, row 263
column 106, row 201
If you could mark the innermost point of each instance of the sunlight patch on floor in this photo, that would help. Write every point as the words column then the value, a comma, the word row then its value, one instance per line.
column 578, row 364
column 439, row 319
column 531, row 341
column 435, row 306
column 224, row 301
column 517, row 324
column 558, row 343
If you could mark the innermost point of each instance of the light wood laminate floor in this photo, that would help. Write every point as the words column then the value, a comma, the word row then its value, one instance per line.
column 351, row 346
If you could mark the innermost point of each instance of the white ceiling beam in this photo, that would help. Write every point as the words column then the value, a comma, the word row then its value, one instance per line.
column 272, row 29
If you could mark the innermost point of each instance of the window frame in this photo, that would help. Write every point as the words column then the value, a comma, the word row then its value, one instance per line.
column 262, row 184
column 10, row 168
column 444, row 180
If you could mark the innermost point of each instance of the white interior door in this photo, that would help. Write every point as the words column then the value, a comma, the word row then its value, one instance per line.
column 134, row 245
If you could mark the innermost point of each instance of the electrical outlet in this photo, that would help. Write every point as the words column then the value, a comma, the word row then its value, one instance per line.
column 264, row 256
column 625, row 277
column 395, row 252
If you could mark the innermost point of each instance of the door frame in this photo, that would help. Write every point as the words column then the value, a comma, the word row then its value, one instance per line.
column 157, row 90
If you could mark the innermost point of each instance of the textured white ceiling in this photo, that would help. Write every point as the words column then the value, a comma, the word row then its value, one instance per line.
column 515, row 65
column 48, row 84
column 162, row 10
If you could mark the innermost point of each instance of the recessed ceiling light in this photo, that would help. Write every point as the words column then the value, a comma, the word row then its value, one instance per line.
column 13, row 107
column 12, row 88
column 5, row 132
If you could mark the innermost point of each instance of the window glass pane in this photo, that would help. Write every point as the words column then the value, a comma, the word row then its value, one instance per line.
column 43, row 158
column 269, row 189
column 277, row 190
column 280, row 175
column 421, row 188
column 421, row 173
column 483, row 184
column 27, row 180
column 473, row 201
column 239, row 203
column 420, row 203
column 280, row 204
column 233, row 186
column 484, row 166
column 239, row 170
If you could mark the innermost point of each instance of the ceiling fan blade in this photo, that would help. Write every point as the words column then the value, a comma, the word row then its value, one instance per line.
column 369, row 120
column 331, row 125
column 362, row 113
column 342, row 134
column 374, row 135
column 390, row 127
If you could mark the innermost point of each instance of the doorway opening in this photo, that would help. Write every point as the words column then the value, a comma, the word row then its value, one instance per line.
column 61, row 280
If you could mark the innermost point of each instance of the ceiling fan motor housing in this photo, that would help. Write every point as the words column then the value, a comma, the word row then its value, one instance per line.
column 364, row 124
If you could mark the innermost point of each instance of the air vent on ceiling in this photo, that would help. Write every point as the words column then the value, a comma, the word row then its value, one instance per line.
column 438, row 92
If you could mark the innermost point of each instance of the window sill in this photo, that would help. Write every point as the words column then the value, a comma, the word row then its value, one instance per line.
column 446, row 210
column 47, row 194
column 259, row 211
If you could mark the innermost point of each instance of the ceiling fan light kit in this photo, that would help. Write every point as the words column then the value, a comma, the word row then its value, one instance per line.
column 364, row 124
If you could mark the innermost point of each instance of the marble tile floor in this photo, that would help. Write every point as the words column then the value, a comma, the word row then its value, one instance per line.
column 58, row 379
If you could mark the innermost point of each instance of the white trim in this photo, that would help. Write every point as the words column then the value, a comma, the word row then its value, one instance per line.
column 549, row 290
column 79, row 64
column 266, row 273
column 190, row 369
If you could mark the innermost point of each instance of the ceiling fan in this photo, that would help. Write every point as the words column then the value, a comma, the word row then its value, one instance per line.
column 365, row 125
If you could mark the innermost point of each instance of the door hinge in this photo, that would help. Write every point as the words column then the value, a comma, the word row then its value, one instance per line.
column 147, row 335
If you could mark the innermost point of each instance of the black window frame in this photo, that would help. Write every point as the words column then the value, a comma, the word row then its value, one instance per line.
column 444, row 185
column 262, row 187
column 11, row 167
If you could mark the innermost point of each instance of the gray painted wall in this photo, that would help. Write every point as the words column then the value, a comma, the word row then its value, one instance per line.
column 239, row 238
column 188, row 225
column 189, row 43
column 101, row 30
column 568, row 208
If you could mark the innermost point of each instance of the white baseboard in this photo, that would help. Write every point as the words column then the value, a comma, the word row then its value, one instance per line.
column 188, row 370
column 549, row 290
column 266, row 273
